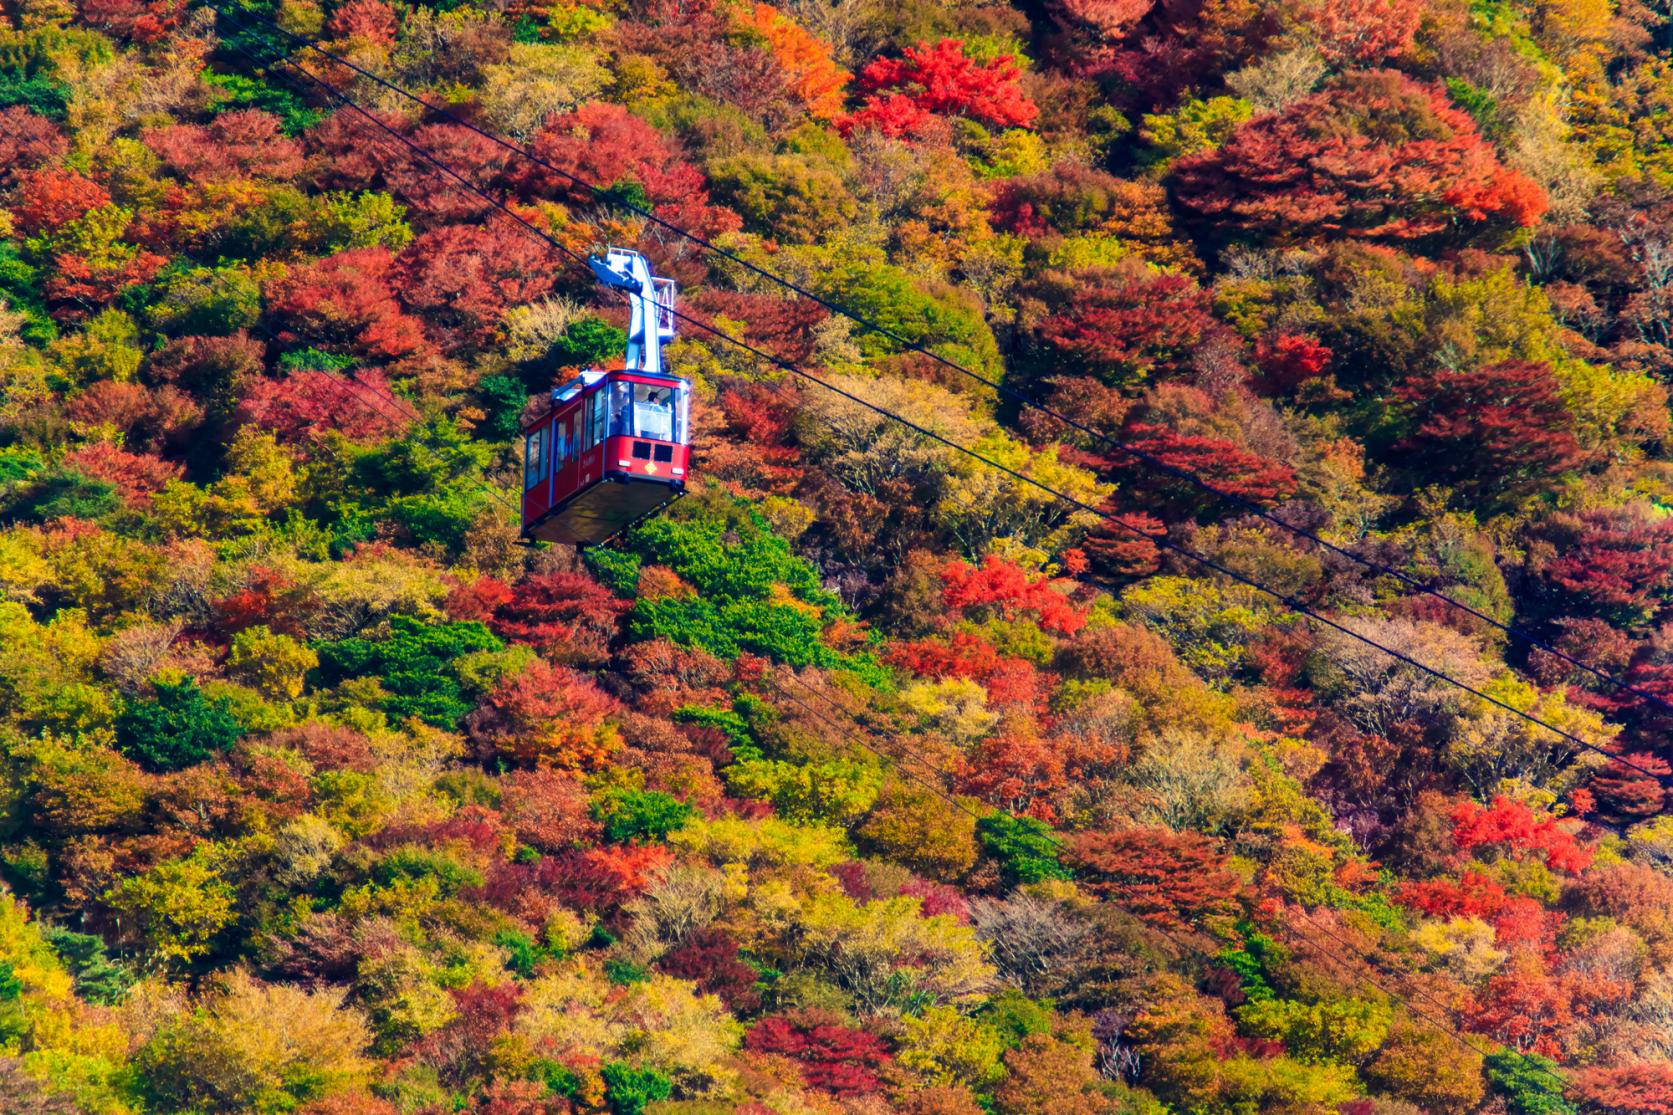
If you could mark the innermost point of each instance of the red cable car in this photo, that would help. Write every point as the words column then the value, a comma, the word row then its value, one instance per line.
column 613, row 446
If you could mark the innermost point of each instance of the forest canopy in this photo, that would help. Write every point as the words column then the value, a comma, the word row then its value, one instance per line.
column 1172, row 613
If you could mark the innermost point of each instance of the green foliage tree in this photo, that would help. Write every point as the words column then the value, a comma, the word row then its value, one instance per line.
column 176, row 727
column 636, row 815
column 1024, row 847
column 416, row 664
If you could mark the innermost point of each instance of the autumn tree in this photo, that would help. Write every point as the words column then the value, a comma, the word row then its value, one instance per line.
column 1363, row 32
column 1125, row 325
column 1375, row 155
column 1613, row 563
column 939, row 80
column 546, row 716
column 1173, row 879
column 815, row 79
column 1496, row 433
column 27, row 140
column 461, row 279
column 606, row 146
column 346, row 303
column 1632, row 785
column 310, row 403
column 243, row 144
column 1641, row 1087
column 1184, row 430
column 832, row 1057
column 252, row 1046
column 567, row 616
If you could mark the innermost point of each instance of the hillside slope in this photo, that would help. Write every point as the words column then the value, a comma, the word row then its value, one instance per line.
column 1282, row 727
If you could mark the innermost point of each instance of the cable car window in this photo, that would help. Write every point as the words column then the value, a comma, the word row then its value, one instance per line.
column 531, row 458
column 647, row 410
column 595, row 416
column 565, row 447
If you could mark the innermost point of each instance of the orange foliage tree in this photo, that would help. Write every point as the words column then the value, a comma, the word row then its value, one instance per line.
column 815, row 78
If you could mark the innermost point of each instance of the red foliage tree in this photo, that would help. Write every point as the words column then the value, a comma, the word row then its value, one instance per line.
column 308, row 404
column 26, row 142
column 1125, row 324
column 939, row 80
column 1008, row 680
column 1511, row 825
column 435, row 198
column 607, row 146
column 462, row 278
column 143, row 21
column 1186, row 429
column 327, row 746
column 833, row 1058
column 546, row 716
column 1122, row 547
column 243, row 144
column 603, row 879
column 369, row 21
column 1633, row 787
column 782, row 325
column 1522, row 923
column 350, row 1103
column 145, row 417
column 1496, row 432
column 709, row 958
column 1169, row 878
column 568, row 616
column 346, row 161
column 79, row 284
column 1526, row 1007
column 268, row 597
column 1008, row 589
column 1105, row 18
column 1363, row 32
column 759, row 455
column 1018, row 770
column 1651, row 672
column 1534, row 1010
column 1219, row 462
column 1288, row 360
column 1626, row 1088
column 547, row 809
column 1374, row 155
column 346, row 303
column 1472, row 895
column 1615, row 563
column 136, row 475
column 462, row 1050
column 51, row 197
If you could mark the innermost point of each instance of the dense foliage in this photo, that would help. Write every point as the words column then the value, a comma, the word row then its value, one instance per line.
column 867, row 779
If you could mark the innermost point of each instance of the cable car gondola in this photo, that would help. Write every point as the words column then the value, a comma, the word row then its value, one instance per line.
column 612, row 446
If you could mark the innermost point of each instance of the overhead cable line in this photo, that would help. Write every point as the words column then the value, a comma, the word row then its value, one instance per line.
column 1290, row 602
column 1022, row 398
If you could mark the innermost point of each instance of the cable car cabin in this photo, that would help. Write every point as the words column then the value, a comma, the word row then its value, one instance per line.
column 613, row 446
column 612, row 450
